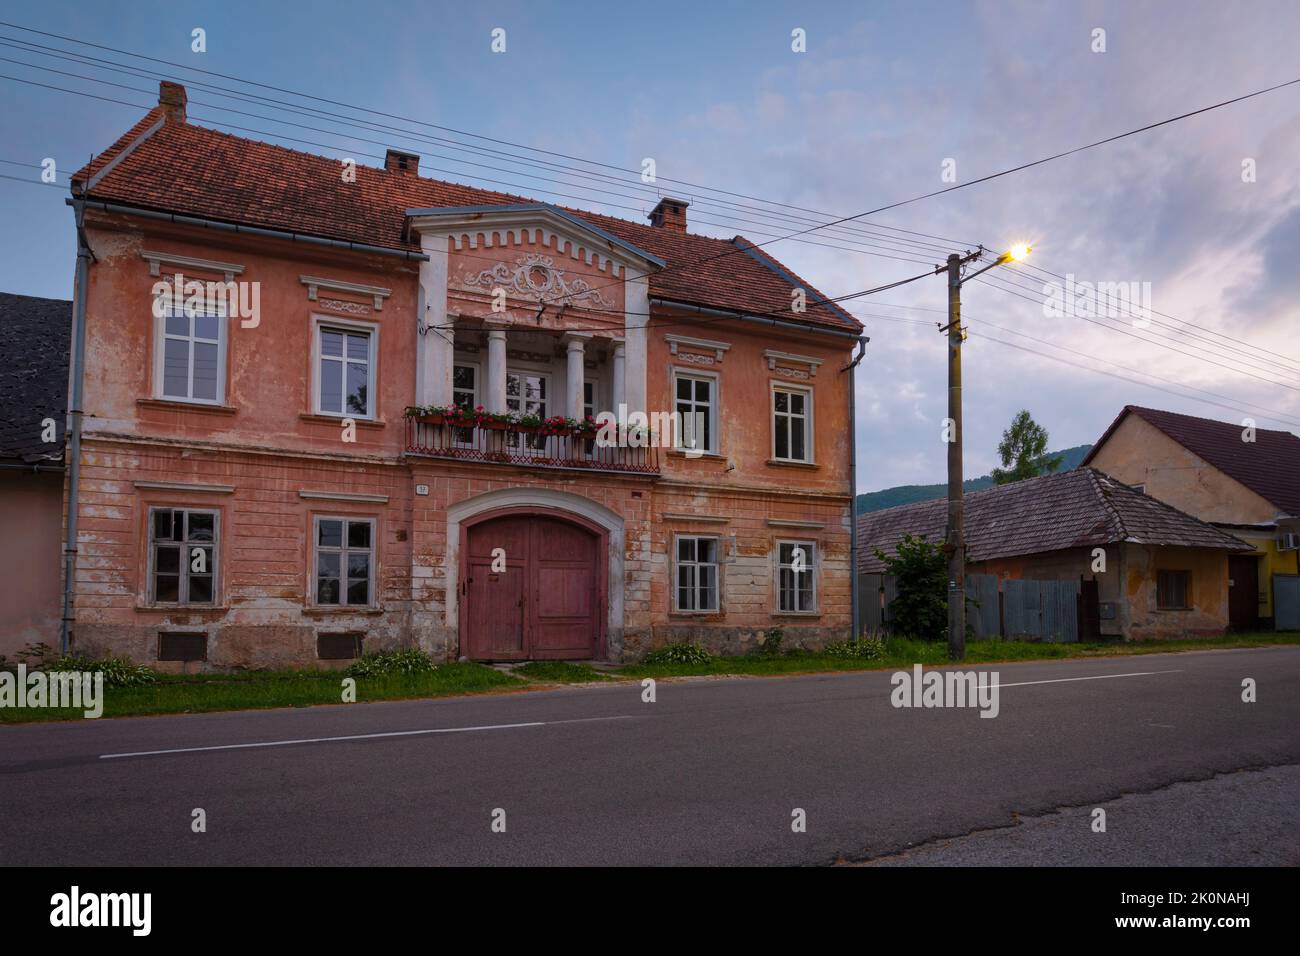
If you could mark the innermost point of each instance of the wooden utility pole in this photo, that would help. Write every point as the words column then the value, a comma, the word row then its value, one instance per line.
column 955, row 541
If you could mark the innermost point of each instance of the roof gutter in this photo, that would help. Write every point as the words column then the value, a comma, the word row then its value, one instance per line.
column 34, row 467
column 743, row 317
column 250, row 230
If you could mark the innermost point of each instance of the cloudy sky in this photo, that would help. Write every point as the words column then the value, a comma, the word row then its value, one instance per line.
column 1203, row 213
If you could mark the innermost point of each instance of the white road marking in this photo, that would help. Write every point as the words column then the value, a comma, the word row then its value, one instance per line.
column 394, row 733
column 1066, row 680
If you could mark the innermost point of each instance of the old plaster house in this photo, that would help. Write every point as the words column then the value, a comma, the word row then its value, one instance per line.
column 252, row 492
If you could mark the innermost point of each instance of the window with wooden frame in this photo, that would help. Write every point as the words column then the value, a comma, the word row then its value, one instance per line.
column 796, row 577
column 190, row 352
column 696, row 570
column 792, row 424
column 695, row 400
column 345, row 359
column 1173, row 590
column 182, row 556
column 343, row 564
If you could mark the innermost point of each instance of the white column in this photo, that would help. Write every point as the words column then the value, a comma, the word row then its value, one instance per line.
column 637, row 313
column 576, row 355
column 435, row 357
column 618, row 388
column 496, row 371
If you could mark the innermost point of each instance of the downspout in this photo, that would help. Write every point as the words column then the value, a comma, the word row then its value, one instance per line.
column 854, row 598
column 76, row 382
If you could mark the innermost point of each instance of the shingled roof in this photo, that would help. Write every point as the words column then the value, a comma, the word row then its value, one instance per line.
column 35, row 335
column 1082, row 507
column 167, row 165
column 1268, row 466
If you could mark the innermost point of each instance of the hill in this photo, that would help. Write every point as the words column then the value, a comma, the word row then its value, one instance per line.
column 908, row 494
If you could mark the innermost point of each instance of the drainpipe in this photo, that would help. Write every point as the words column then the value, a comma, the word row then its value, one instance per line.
column 77, row 375
column 854, row 599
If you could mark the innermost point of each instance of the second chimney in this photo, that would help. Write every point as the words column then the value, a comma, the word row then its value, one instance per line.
column 399, row 161
column 669, row 214
column 172, row 98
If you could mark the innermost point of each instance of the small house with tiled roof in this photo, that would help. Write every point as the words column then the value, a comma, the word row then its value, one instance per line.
column 1235, row 475
column 1144, row 568
column 331, row 408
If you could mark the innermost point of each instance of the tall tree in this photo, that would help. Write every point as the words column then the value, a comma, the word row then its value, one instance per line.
column 1023, row 450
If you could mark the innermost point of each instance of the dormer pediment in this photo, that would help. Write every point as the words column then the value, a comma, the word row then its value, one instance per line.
column 536, row 224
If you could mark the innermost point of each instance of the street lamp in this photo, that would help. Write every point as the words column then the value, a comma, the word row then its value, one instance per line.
column 954, row 541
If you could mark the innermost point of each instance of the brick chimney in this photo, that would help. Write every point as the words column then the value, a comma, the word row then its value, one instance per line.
column 399, row 161
column 172, row 98
column 669, row 214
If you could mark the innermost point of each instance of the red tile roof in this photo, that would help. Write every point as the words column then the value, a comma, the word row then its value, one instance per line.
column 1268, row 466
column 1082, row 507
column 191, row 170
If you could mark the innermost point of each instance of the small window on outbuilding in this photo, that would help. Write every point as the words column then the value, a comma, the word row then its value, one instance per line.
column 1172, row 590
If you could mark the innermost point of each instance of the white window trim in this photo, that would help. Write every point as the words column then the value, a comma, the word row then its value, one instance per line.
column 478, row 379
column 166, row 304
column 717, row 563
column 183, row 584
column 320, row 322
column 809, row 444
column 715, row 408
column 314, row 589
column 814, row 568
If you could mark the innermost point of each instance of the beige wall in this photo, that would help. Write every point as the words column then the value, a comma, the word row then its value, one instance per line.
column 1138, row 453
column 31, row 513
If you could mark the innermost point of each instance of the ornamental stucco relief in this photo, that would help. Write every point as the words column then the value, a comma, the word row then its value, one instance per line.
column 534, row 276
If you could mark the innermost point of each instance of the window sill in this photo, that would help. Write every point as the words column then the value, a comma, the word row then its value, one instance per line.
column 794, row 464
column 174, row 404
column 317, row 419
column 698, row 615
column 705, row 456
column 184, row 608
column 799, row 614
column 317, row 611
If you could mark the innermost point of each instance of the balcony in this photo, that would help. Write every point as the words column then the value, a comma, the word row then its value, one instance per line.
column 526, row 445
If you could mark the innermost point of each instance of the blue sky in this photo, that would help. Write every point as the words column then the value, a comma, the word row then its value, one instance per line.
column 885, row 94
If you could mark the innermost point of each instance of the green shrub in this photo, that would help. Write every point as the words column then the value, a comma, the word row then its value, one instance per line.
column 678, row 654
column 865, row 649
column 771, row 646
column 117, row 671
column 410, row 660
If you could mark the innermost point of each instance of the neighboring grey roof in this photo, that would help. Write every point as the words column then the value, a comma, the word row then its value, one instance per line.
column 35, row 335
column 1268, row 466
column 1069, row 509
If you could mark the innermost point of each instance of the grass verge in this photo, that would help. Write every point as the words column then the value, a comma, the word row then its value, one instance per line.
column 558, row 672
column 202, row 693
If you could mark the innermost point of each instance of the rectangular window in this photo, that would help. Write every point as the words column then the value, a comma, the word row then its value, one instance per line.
column 1172, row 590
column 791, row 423
column 182, row 556
column 345, row 376
column 191, row 355
column 526, row 395
column 696, row 405
column 173, row 646
column 464, row 393
column 697, row 574
column 796, row 576
column 344, row 571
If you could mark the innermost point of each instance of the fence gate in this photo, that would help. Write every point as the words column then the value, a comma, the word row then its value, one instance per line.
column 1042, row 610
column 982, row 611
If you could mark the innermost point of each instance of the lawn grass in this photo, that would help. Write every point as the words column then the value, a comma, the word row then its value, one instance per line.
column 202, row 693
column 904, row 653
column 559, row 672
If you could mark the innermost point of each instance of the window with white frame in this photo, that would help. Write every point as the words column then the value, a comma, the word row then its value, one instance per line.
column 791, row 423
column 345, row 371
column 697, row 573
column 191, row 354
column 182, row 556
column 796, row 577
column 526, row 395
column 464, row 394
column 344, row 561
column 696, row 404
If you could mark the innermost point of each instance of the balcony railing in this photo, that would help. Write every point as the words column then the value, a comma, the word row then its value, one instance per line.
column 511, row 444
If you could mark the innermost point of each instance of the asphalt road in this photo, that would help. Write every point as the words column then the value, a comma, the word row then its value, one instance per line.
column 709, row 773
